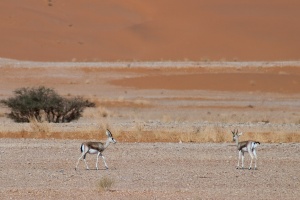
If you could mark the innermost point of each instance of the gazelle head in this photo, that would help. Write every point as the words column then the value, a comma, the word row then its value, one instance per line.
column 110, row 137
column 236, row 135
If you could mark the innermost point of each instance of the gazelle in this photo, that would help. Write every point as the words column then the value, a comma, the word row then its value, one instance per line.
column 245, row 146
column 95, row 148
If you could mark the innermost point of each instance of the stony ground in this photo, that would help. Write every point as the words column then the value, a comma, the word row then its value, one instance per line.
column 44, row 169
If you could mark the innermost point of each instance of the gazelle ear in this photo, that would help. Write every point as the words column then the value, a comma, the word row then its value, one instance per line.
column 241, row 133
column 108, row 133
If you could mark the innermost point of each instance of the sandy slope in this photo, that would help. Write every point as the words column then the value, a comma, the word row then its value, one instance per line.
column 149, row 30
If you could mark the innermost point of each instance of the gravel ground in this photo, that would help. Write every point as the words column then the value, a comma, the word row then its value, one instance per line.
column 44, row 169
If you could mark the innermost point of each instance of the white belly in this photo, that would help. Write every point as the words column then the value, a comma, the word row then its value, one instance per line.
column 245, row 149
column 93, row 151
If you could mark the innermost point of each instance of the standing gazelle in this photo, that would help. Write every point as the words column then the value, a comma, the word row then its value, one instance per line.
column 245, row 146
column 95, row 148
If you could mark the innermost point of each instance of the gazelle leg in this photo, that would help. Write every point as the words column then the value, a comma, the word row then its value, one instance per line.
column 103, row 158
column 251, row 160
column 87, row 167
column 238, row 165
column 97, row 160
column 78, row 161
column 243, row 156
column 255, row 157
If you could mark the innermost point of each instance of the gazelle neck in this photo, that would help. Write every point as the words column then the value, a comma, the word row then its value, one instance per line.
column 106, row 143
column 237, row 141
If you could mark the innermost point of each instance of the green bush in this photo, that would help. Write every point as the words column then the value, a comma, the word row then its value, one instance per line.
column 44, row 103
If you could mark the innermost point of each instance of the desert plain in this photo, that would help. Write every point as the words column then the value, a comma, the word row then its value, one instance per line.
column 169, row 97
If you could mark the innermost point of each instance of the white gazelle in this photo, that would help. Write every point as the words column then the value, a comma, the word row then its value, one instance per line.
column 245, row 146
column 95, row 148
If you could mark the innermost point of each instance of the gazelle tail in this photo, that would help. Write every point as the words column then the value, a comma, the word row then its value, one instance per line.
column 81, row 148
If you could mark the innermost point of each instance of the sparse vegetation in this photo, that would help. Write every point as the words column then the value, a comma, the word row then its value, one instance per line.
column 44, row 104
column 39, row 127
column 105, row 183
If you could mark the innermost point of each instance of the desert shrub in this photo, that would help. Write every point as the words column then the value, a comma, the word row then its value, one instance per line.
column 44, row 103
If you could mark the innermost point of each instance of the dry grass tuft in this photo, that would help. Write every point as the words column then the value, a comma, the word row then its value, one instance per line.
column 156, row 136
column 39, row 127
column 272, row 137
column 142, row 132
column 105, row 183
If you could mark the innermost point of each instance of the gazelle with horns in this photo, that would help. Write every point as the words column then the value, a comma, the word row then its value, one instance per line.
column 245, row 146
column 95, row 148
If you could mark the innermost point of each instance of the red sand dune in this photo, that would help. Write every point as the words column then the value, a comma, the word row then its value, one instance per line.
column 91, row 30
